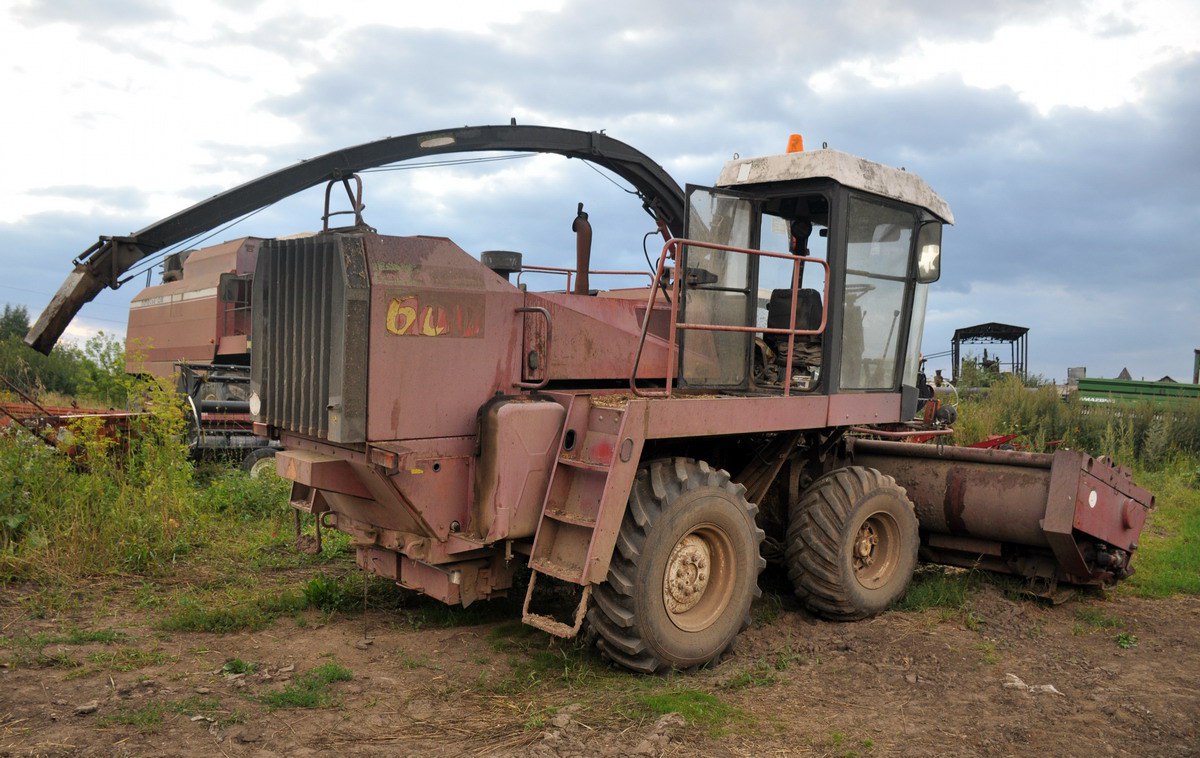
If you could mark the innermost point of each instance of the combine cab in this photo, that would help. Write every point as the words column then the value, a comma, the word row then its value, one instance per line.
column 643, row 451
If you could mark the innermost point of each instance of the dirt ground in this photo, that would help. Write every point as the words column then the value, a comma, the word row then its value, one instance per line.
column 930, row 683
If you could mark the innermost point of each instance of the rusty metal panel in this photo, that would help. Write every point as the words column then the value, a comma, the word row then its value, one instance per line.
column 429, row 580
column 439, row 319
column 683, row 416
column 385, row 563
column 596, row 337
column 1060, row 512
column 518, row 442
column 1109, row 506
column 323, row 472
column 965, row 491
column 851, row 408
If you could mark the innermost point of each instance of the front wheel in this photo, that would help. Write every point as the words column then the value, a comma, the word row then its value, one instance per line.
column 852, row 543
column 684, row 571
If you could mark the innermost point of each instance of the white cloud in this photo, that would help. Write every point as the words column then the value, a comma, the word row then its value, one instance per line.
column 1093, row 60
column 146, row 105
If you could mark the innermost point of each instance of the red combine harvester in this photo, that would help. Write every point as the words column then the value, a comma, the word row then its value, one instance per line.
column 194, row 327
column 642, row 451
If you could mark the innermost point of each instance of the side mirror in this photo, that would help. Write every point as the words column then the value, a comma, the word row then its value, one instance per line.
column 929, row 252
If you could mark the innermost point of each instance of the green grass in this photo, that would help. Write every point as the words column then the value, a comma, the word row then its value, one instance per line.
column 1167, row 561
column 840, row 746
column 937, row 587
column 28, row 650
column 148, row 718
column 238, row 666
column 760, row 674
column 309, row 690
column 249, row 614
column 988, row 653
column 128, row 659
column 696, row 707
column 1096, row 618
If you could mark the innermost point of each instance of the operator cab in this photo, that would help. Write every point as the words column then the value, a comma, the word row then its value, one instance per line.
column 835, row 300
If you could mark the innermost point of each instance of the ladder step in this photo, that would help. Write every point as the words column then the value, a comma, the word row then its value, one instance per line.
column 580, row 463
column 549, row 624
column 549, row 568
column 572, row 518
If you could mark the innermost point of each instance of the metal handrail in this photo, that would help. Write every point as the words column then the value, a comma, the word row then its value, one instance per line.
column 671, row 250
column 570, row 272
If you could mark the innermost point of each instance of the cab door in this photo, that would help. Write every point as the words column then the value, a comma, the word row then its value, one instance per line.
column 717, row 289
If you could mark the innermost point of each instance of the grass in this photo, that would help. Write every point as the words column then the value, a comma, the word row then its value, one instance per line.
column 237, row 666
column 250, row 613
column 936, row 587
column 149, row 718
column 1168, row 560
column 309, row 690
column 760, row 674
column 988, row 653
column 695, row 706
column 840, row 745
column 1096, row 618
column 128, row 659
column 29, row 650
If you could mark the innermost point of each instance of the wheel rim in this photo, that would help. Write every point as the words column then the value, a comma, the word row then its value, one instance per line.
column 262, row 466
column 700, row 578
column 875, row 552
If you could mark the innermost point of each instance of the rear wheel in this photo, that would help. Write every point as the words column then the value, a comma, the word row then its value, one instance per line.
column 852, row 543
column 684, row 571
column 259, row 462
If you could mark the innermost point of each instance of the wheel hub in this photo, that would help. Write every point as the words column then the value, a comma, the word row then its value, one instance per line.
column 875, row 552
column 864, row 546
column 688, row 571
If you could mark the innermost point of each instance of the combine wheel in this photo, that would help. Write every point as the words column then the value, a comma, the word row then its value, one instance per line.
column 684, row 571
column 851, row 543
column 259, row 461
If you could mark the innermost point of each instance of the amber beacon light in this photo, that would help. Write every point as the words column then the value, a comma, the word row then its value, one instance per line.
column 795, row 143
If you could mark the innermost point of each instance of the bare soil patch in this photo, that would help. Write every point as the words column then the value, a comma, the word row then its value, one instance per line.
column 928, row 683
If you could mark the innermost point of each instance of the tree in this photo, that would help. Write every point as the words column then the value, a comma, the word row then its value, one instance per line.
column 14, row 322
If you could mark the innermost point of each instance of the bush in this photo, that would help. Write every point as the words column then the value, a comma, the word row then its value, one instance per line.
column 1145, row 433
column 235, row 493
column 119, row 505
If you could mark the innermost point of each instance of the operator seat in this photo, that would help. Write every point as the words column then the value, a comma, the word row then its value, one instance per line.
column 808, row 316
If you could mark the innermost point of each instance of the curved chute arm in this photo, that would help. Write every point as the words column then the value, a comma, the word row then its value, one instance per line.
column 104, row 263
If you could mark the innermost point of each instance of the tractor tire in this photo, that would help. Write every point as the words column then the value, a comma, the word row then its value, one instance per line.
column 851, row 544
column 211, row 391
column 259, row 461
column 684, row 571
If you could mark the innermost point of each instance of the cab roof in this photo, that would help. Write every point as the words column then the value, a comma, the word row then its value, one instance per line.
column 850, row 170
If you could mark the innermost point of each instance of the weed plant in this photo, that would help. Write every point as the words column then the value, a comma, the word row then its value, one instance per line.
column 120, row 505
column 311, row 689
column 1146, row 433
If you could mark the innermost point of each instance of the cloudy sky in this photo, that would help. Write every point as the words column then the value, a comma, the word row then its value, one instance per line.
column 1063, row 134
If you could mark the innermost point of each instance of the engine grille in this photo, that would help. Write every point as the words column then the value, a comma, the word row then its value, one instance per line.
column 308, row 356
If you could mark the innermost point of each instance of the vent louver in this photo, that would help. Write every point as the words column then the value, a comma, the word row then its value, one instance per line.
column 308, row 355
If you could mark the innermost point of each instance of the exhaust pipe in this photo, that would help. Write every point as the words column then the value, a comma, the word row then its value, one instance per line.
column 583, row 251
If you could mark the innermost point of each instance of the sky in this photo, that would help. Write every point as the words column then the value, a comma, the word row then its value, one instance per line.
column 1061, row 133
